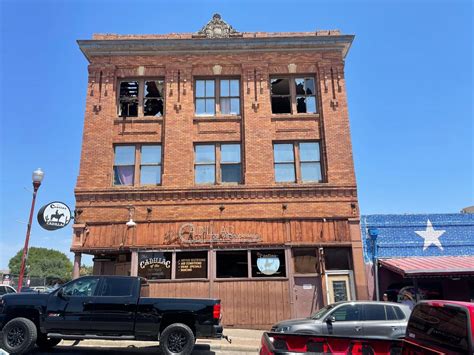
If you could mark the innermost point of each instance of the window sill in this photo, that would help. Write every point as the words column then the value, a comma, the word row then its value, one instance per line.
column 230, row 279
column 295, row 117
column 141, row 119
column 301, row 183
column 231, row 118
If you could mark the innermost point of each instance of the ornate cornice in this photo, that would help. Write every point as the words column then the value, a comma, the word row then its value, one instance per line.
column 213, row 193
column 216, row 28
column 200, row 45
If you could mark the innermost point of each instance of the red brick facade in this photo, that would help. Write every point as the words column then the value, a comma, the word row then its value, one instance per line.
column 282, row 214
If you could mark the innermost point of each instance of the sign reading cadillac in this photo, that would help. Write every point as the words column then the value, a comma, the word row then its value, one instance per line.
column 154, row 265
column 54, row 215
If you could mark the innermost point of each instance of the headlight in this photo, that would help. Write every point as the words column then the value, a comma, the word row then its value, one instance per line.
column 282, row 329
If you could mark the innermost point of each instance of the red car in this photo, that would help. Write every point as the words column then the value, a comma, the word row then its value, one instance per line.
column 434, row 327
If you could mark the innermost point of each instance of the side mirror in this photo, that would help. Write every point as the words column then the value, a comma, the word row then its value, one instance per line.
column 330, row 319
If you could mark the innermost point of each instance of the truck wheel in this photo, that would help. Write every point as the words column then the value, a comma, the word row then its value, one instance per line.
column 19, row 336
column 177, row 339
column 45, row 343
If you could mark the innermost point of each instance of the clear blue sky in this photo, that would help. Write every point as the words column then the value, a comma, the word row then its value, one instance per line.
column 409, row 82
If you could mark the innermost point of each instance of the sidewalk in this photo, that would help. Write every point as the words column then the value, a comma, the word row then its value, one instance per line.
column 244, row 341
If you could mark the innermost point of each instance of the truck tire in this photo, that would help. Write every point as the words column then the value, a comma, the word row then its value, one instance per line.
column 177, row 339
column 19, row 336
column 45, row 343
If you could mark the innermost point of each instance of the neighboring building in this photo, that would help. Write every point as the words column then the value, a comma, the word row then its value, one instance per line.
column 429, row 255
column 229, row 155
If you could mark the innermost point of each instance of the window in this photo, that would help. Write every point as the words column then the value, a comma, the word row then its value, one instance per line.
column 155, row 265
column 305, row 261
column 374, row 312
column 297, row 162
column 337, row 259
column 293, row 94
column 209, row 170
column 394, row 313
column 310, row 162
column 446, row 328
column 284, row 156
column 191, row 265
column 124, row 165
column 230, row 264
column 268, row 263
column 221, row 96
column 149, row 159
column 117, row 286
column 150, row 168
column 347, row 313
column 82, row 287
column 141, row 98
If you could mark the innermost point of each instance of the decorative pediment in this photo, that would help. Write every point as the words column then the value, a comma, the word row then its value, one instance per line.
column 217, row 28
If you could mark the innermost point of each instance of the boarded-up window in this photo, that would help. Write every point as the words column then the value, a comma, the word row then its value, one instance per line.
column 191, row 265
column 305, row 261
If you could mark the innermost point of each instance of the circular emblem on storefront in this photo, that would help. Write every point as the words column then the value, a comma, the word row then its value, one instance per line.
column 268, row 264
column 54, row 215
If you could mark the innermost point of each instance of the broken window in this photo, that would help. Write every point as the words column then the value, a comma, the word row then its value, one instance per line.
column 141, row 97
column 300, row 97
column 281, row 98
column 128, row 105
column 305, row 95
column 153, row 98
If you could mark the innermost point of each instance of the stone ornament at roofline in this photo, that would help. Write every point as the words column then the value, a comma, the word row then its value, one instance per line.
column 217, row 28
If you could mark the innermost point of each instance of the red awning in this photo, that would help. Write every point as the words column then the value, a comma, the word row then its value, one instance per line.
column 431, row 266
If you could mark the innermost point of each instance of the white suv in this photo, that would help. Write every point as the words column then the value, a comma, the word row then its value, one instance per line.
column 5, row 289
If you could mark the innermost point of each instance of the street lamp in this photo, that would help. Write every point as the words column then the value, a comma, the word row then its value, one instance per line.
column 373, row 234
column 38, row 175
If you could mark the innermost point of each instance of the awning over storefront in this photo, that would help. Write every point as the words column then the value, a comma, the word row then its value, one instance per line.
column 447, row 266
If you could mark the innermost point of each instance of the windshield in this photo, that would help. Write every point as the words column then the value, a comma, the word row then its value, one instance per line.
column 322, row 312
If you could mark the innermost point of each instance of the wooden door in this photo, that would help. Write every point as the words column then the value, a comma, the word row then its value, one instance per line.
column 307, row 295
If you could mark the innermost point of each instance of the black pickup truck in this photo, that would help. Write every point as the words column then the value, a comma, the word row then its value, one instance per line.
column 106, row 307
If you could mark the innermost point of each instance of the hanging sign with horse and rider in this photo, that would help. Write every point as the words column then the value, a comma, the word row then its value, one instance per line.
column 54, row 215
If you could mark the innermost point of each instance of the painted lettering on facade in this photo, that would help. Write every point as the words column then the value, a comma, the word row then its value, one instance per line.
column 189, row 233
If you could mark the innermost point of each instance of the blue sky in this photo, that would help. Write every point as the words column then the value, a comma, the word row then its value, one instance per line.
column 409, row 82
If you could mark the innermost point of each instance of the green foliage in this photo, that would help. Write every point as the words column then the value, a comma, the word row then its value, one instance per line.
column 42, row 262
column 86, row 270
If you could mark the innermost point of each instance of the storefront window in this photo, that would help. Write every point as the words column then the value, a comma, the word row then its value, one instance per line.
column 154, row 265
column 191, row 265
column 337, row 258
column 231, row 264
column 305, row 261
column 268, row 263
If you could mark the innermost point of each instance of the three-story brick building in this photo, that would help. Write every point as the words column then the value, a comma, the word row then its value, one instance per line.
column 219, row 164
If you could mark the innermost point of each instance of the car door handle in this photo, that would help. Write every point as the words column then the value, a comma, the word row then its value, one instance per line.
column 358, row 329
column 394, row 328
column 86, row 303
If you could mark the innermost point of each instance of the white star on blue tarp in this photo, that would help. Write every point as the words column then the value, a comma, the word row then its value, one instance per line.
column 430, row 236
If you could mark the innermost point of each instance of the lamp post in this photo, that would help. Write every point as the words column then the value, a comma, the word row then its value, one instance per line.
column 38, row 175
column 374, row 233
